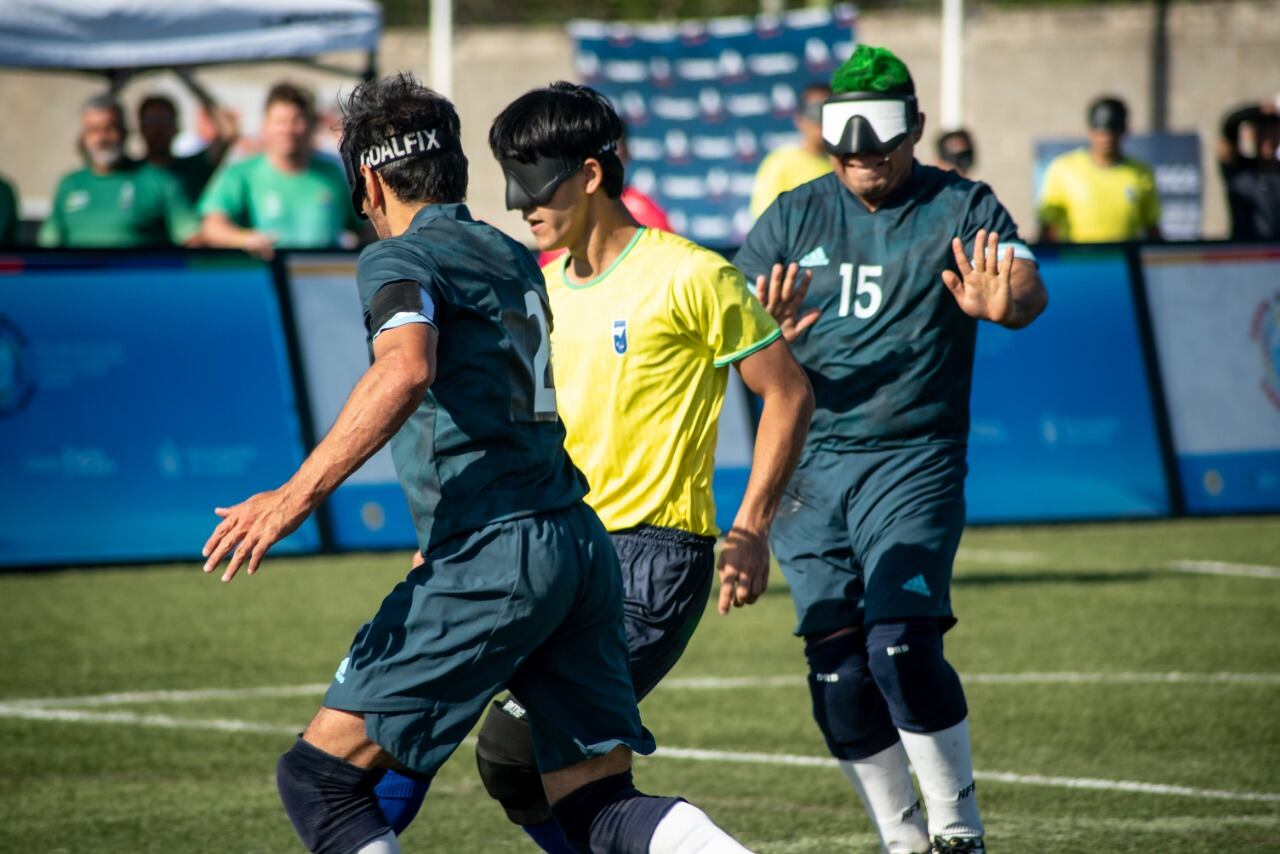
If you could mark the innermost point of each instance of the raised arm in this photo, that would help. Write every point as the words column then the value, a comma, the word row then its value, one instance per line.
column 383, row 399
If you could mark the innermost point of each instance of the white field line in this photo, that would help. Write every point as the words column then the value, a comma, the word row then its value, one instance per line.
column 239, row 726
column 1011, row 557
column 986, row 776
column 33, row 713
column 134, row 697
column 682, row 683
column 1217, row 567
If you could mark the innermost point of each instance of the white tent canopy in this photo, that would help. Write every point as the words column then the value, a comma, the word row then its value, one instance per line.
column 120, row 35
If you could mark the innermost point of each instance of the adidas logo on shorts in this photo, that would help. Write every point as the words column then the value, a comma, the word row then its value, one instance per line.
column 918, row 585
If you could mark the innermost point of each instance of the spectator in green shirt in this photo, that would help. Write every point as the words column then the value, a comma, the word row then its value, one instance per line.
column 8, row 214
column 158, row 124
column 283, row 197
column 115, row 202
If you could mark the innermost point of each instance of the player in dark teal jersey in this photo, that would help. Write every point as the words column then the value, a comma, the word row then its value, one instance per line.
column 520, row 586
column 869, row 527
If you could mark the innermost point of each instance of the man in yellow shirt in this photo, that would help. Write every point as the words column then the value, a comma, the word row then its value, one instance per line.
column 1097, row 194
column 793, row 165
column 645, row 325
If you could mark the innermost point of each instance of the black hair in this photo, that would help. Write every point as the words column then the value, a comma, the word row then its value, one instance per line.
column 561, row 120
column 163, row 101
column 288, row 93
column 1108, row 108
column 959, row 134
column 380, row 109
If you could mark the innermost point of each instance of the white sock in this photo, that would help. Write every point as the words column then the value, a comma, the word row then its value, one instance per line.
column 883, row 782
column 685, row 829
column 384, row 844
column 944, row 766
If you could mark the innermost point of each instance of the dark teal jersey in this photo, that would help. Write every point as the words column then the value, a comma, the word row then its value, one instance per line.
column 486, row 445
column 891, row 357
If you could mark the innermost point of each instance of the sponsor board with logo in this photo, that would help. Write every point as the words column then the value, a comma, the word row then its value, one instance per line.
column 707, row 99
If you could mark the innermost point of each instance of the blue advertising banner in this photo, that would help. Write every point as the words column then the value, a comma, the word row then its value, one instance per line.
column 704, row 101
column 369, row 510
column 138, row 392
column 1175, row 160
column 1215, row 312
column 1063, row 424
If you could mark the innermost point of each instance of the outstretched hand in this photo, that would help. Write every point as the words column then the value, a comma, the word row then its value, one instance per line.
column 984, row 289
column 782, row 295
column 250, row 528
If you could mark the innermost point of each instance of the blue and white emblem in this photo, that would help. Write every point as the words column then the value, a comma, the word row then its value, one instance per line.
column 619, row 337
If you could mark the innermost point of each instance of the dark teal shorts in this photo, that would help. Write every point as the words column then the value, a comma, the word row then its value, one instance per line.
column 534, row 605
column 865, row 536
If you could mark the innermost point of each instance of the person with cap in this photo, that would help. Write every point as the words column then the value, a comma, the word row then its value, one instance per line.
column 903, row 260
column 1098, row 194
column 792, row 165
column 1249, row 156
column 520, row 585
column 956, row 152
column 115, row 202
column 283, row 197
column 158, row 125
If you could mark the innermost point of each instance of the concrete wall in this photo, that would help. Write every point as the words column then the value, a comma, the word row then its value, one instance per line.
column 1028, row 74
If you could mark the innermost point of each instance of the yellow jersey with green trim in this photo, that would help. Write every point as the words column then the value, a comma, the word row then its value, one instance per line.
column 640, row 356
column 783, row 170
column 1088, row 203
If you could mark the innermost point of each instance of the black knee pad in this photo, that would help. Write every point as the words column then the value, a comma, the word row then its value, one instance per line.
column 504, row 757
column 846, row 702
column 329, row 801
column 610, row 815
column 921, row 689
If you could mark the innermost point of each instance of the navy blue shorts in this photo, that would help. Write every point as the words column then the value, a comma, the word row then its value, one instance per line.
column 864, row 536
column 666, row 579
column 533, row 604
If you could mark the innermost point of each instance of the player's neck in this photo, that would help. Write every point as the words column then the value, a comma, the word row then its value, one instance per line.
column 610, row 229
column 1102, row 159
column 400, row 214
column 289, row 163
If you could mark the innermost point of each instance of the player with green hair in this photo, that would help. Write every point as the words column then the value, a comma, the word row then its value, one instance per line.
column 870, row 523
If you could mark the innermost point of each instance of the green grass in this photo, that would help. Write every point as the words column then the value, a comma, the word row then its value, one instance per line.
column 1086, row 599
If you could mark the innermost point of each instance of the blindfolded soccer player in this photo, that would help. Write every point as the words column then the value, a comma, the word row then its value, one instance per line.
column 646, row 327
column 520, row 587
column 871, row 520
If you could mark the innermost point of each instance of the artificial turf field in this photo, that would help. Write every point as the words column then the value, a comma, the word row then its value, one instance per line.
column 1123, row 683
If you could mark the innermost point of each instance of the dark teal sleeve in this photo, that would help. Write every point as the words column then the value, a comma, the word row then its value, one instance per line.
column 766, row 245
column 986, row 213
column 388, row 262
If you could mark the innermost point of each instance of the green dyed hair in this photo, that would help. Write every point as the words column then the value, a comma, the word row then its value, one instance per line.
column 873, row 69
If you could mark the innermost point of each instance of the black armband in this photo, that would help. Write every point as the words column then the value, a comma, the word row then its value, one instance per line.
column 392, row 299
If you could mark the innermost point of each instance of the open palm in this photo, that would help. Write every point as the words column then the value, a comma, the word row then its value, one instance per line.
column 983, row 289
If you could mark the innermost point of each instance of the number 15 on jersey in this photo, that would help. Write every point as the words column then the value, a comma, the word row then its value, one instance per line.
column 866, row 298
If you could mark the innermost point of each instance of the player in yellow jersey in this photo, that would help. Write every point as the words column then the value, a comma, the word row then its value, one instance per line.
column 790, row 166
column 645, row 325
column 1097, row 194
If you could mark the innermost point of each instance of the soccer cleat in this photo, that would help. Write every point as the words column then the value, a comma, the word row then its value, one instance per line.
column 959, row 845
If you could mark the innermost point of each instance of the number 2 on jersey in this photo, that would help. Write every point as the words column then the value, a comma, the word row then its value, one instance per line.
column 544, row 396
column 866, row 288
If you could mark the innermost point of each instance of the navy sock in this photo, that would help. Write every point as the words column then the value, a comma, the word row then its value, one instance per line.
column 400, row 797
column 549, row 837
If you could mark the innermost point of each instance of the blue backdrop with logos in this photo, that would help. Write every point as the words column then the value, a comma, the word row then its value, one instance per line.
column 138, row 392
column 706, row 100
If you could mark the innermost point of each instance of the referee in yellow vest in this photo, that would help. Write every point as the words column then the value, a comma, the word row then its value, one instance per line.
column 793, row 165
column 1097, row 194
